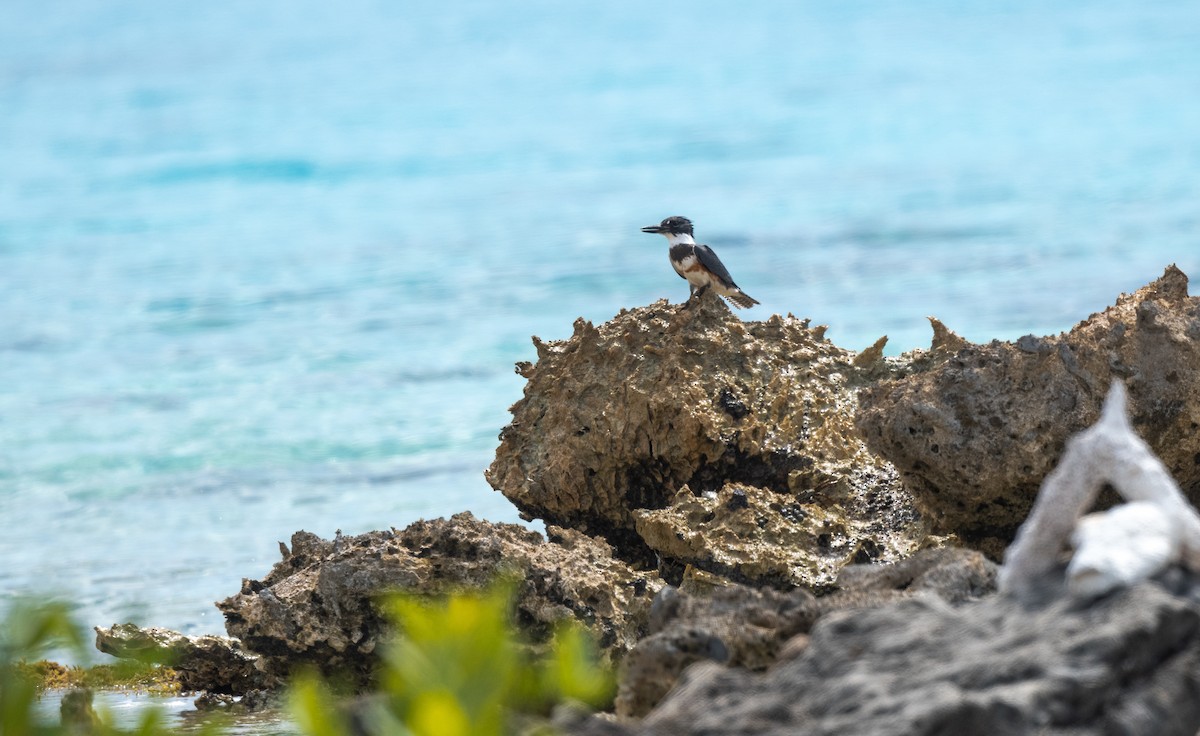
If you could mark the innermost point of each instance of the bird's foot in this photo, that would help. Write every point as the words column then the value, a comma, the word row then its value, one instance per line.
column 694, row 296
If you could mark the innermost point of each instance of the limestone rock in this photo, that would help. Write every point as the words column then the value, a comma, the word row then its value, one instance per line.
column 210, row 663
column 688, row 436
column 1129, row 663
column 974, row 433
column 945, row 340
column 317, row 606
column 749, row 535
column 749, row 627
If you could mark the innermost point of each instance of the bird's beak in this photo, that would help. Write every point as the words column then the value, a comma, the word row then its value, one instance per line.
column 652, row 229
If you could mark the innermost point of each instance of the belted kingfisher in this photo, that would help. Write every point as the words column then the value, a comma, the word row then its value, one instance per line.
column 698, row 263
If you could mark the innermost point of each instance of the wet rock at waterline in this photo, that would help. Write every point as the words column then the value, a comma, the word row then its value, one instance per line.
column 209, row 663
column 319, row 605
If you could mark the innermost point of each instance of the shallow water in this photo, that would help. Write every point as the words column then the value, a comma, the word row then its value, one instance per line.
column 176, row 712
column 267, row 266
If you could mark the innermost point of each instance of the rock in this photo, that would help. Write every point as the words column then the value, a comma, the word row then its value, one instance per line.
column 1121, row 546
column 76, row 714
column 735, row 625
column 318, row 606
column 872, row 356
column 1128, row 663
column 747, row 627
column 210, row 663
column 755, row 536
column 954, row 575
column 689, row 437
column 250, row 702
column 974, row 432
column 1128, row 543
column 945, row 341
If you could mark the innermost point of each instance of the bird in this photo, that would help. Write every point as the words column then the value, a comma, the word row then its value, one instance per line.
column 698, row 263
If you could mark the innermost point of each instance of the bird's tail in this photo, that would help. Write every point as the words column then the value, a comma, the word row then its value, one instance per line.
column 741, row 299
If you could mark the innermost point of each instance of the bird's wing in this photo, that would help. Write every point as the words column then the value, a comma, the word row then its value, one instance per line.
column 709, row 260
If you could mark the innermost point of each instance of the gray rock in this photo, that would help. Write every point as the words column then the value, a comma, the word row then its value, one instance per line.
column 1128, row 663
column 750, row 628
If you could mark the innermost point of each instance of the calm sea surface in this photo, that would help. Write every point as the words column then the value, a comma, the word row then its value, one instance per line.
column 266, row 266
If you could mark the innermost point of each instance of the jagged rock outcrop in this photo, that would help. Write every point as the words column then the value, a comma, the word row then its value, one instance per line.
column 319, row 604
column 975, row 433
column 209, row 663
column 1128, row 663
column 746, row 627
column 729, row 456
column 688, row 436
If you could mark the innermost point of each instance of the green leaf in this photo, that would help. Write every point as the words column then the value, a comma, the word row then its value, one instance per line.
column 314, row 709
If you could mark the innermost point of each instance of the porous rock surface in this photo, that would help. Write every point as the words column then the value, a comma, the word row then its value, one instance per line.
column 319, row 605
column 752, row 628
column 974, row 434
column 210, row 663
column 687, row 436
column 1126, row 664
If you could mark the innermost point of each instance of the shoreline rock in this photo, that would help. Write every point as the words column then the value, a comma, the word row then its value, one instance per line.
column 210, row 663
column 750, row 464
column 318, row 606
column 1129, row 663
column 752, row 628
column 974, row 433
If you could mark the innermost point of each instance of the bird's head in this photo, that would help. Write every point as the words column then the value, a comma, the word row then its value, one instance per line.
column 671, row 226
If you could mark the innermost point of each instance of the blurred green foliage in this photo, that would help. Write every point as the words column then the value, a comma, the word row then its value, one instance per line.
column 28, row 631
column 458, row 668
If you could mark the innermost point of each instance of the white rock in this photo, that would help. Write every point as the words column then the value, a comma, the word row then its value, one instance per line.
column 1107, row 452
column 1121, row 546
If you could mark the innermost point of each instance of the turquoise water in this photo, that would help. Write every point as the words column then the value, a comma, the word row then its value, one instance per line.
column 266, row 266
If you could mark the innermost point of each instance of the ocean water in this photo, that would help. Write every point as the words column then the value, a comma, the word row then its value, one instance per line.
column 266, row 266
